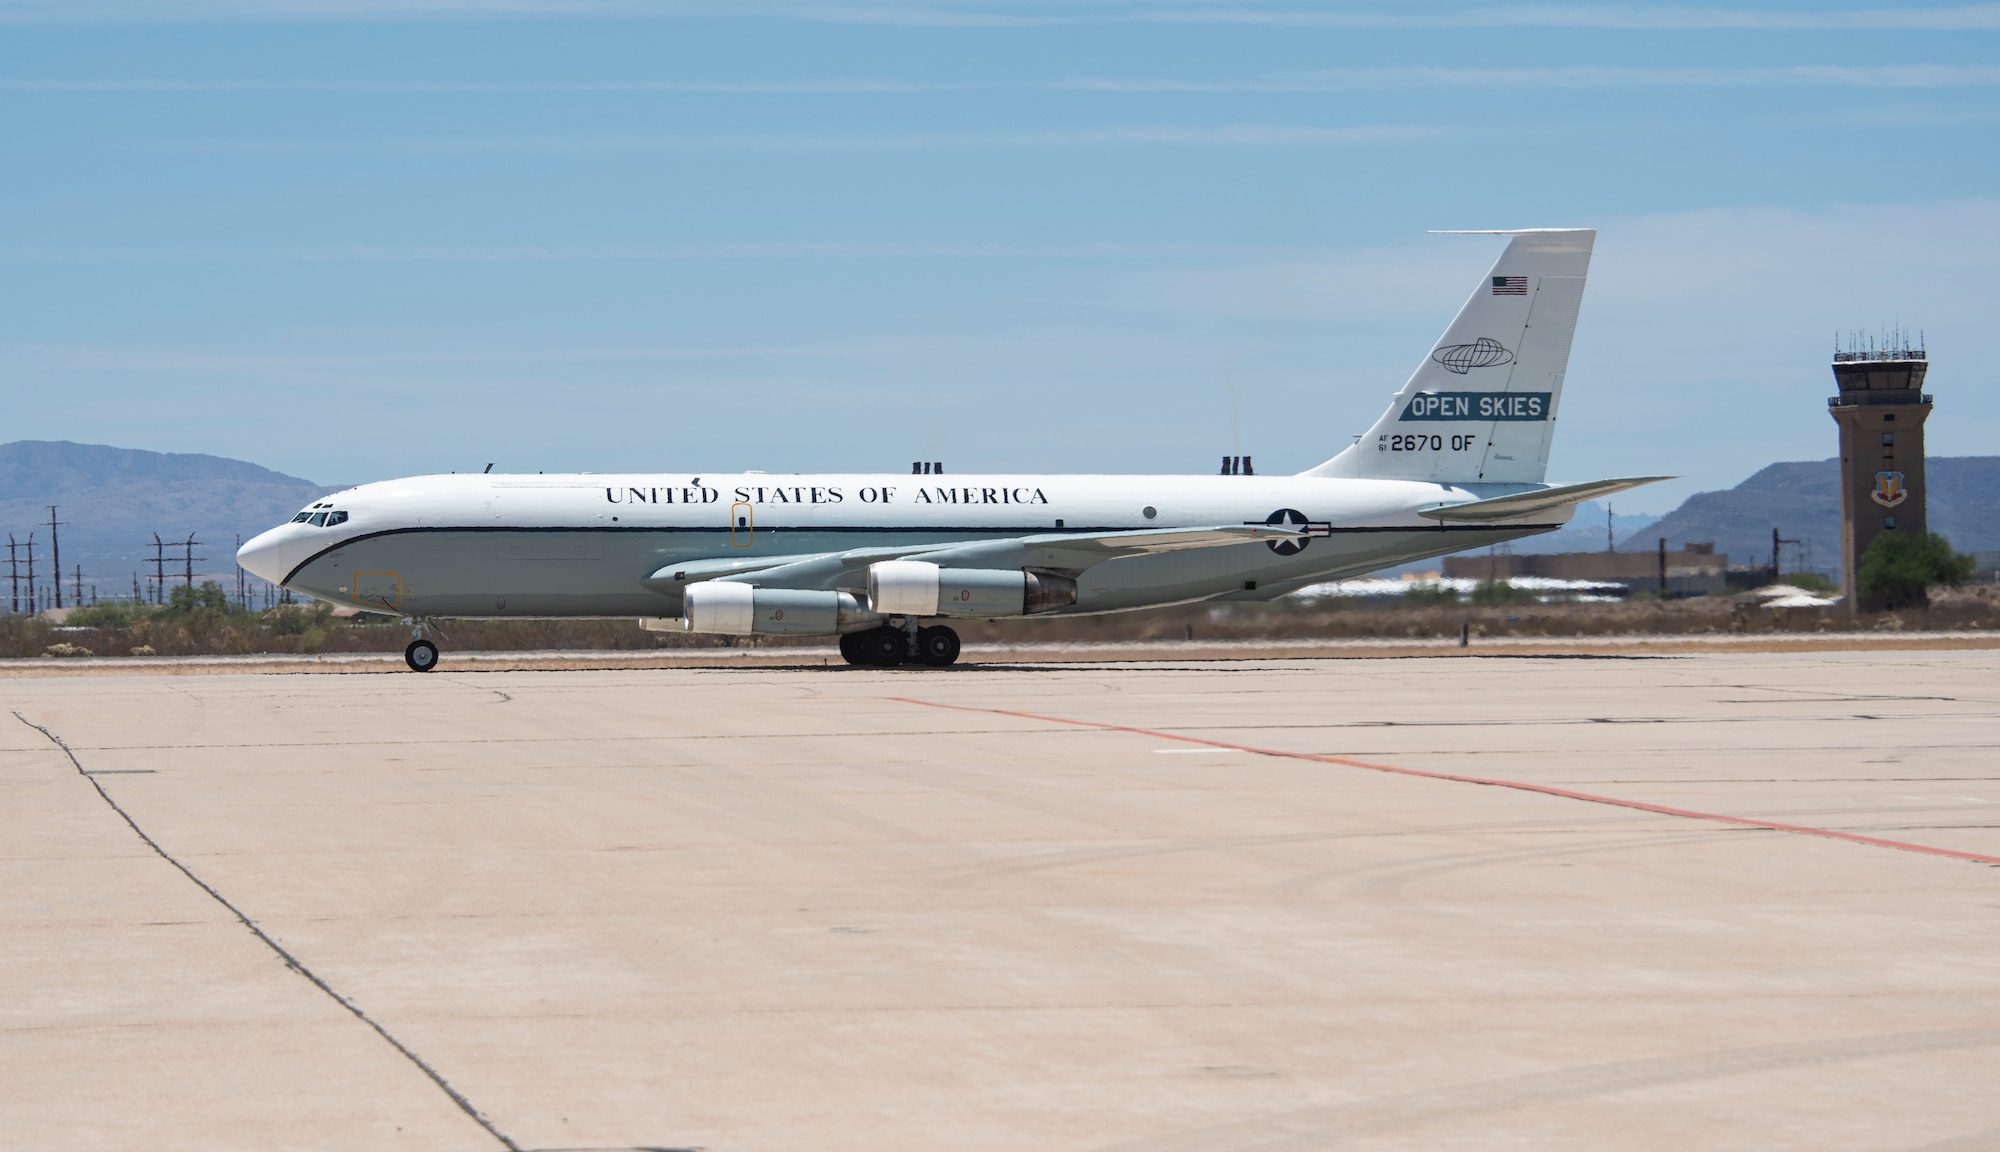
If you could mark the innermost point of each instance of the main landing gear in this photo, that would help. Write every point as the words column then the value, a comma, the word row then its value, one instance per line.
column 421, row 655
column 887, row 647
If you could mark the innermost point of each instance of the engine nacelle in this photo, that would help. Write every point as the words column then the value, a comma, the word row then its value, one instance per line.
column 734, row 609
column 920, row 588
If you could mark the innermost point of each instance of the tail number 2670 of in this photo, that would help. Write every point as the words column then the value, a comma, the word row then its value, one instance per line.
column 1416, row 442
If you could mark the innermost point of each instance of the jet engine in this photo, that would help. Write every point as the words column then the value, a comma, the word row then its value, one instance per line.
column 919, row 588
column 740, row 610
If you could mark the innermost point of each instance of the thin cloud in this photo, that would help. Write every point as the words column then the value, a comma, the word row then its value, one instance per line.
column 442, row 253
column 1324, row 80
column 1627, row 17
column 1229, row 136
column 695, row 87
column 1575, row 76
column 1970, row 17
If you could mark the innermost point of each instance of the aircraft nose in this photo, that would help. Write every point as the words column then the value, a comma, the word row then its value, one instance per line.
column 262, row 555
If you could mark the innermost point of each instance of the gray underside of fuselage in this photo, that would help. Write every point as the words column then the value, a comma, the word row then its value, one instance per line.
column 507, row 572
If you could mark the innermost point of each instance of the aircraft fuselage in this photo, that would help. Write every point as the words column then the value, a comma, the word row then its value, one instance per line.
column 584, row 544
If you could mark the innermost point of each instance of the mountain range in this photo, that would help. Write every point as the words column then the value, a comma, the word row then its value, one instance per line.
column 1801, row 499
column 112, row 500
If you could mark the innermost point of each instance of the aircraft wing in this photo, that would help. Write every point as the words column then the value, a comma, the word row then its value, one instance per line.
column 1071, row 550
column 1061, row 551
column 1524, row 504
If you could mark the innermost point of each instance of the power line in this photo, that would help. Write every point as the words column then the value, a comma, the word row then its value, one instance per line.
column 55, row 547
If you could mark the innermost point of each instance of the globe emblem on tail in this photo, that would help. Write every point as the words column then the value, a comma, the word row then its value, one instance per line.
column 1485, row 352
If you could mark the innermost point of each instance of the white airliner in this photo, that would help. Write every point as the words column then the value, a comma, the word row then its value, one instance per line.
column 1456, row 462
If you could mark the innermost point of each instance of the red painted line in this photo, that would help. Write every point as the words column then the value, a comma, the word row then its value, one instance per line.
column 1517, row 785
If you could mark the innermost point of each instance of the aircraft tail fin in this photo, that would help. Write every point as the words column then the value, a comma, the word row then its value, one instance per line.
column 1481, row 408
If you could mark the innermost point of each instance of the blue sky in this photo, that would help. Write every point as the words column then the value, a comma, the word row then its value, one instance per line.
column 351, row 240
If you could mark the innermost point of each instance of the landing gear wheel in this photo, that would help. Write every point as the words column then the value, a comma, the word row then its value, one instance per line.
column 937, row 646
column 851, row 648
column 421, row 656
column 882, row 647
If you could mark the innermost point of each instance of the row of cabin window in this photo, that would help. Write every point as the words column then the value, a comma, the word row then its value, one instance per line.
column 320, row 519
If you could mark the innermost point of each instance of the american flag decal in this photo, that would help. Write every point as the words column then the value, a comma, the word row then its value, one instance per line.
column 1510, row 285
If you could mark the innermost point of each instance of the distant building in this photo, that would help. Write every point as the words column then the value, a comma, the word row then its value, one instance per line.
column 1881, row 411
column 1695, row 570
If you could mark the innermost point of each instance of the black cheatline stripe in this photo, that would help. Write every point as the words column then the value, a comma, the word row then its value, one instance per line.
column 999, row 533
column 290, row 960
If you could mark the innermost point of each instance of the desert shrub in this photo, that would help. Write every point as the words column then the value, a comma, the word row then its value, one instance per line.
column 295, row 619
column 67, row 649
column 106, row 616
column 1496, row 594
column 186, row 599
column 1428, row 595
column 144, row 650
column 1900, row 568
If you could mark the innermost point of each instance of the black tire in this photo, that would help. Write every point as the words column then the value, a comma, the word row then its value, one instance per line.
column 850, row 648
column 882, row 647
column 421, row 656
column 937, row 646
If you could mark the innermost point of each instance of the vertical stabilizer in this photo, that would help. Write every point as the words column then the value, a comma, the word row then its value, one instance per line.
column 1481, row 408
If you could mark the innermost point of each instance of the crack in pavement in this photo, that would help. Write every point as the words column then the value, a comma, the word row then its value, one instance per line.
column 466, row 1106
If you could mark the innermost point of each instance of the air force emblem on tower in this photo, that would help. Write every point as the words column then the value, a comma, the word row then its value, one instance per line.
column 1889, row 490
column 1485, row 352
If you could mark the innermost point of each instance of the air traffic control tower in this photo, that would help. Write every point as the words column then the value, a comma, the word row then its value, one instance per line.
column 1881, row 411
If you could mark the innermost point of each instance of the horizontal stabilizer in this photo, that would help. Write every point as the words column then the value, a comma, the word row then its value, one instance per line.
column 1523, row 504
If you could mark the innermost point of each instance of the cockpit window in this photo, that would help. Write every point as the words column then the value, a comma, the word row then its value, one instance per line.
column 318, row 519
column 301, row 517
column 333, row 518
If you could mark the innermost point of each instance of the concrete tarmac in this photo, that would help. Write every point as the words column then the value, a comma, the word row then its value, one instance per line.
column 1184, row 906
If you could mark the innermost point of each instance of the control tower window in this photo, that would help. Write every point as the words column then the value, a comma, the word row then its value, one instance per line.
column 1888, row 439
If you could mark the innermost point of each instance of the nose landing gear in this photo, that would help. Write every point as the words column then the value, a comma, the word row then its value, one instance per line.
column 421, row 655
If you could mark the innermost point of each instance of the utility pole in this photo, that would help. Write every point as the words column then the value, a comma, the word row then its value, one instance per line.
column 1777, row 540
column 31, row 573
column 76, row 601
column 55, row 549
column 13, row 576
column 159, row 570
column 1610, row 541
column 1663, row 567
column 190, row 557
